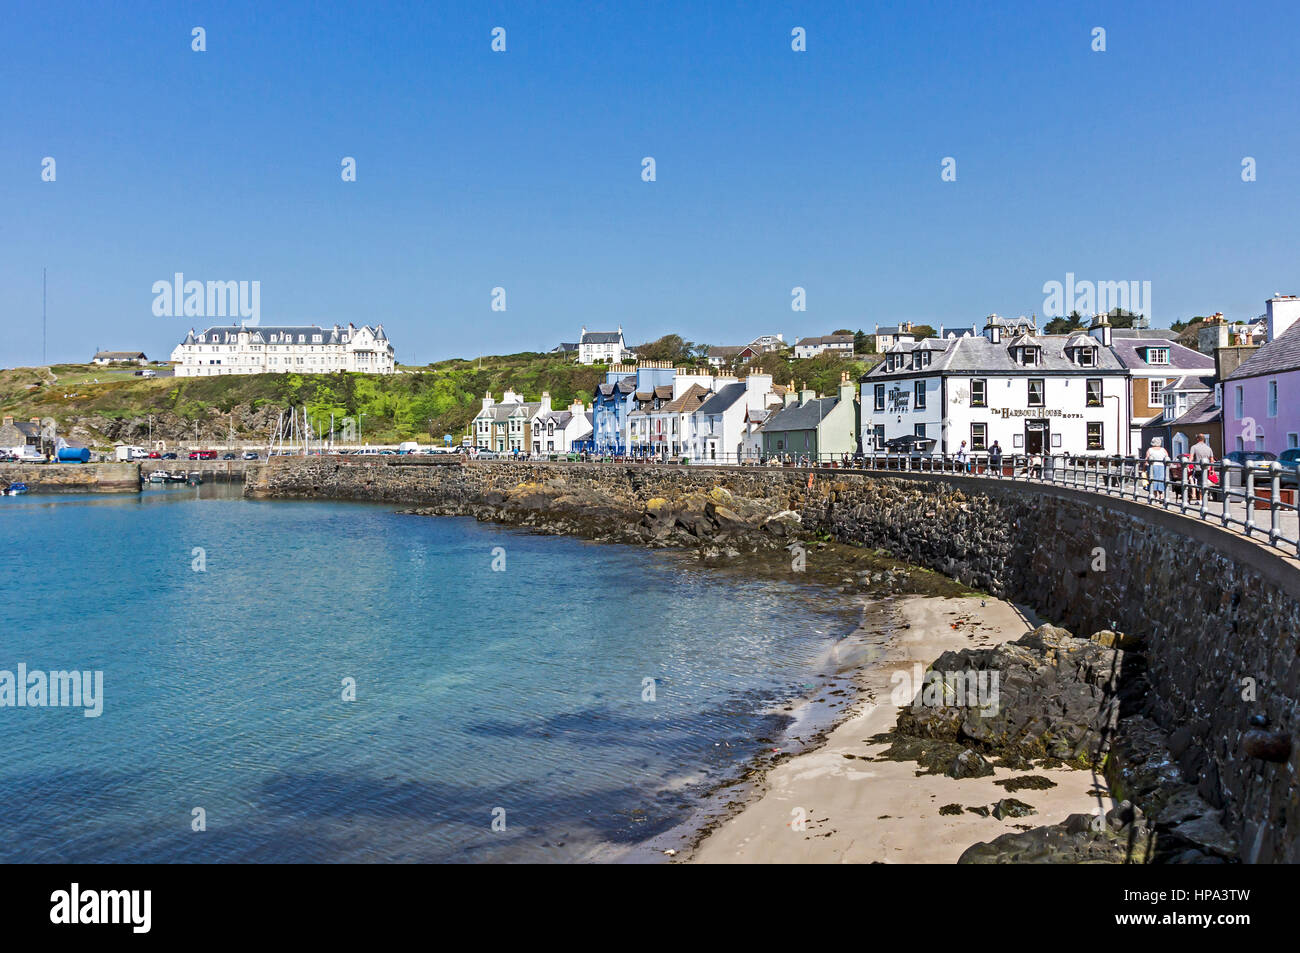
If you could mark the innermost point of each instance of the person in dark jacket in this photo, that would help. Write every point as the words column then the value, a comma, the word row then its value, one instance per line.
column 995, row 458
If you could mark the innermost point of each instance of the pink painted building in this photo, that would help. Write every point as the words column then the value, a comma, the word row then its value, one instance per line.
column 1261, row 398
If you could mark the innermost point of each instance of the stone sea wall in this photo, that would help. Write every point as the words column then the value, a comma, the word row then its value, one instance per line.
column 73, row 477
column 1217, row 615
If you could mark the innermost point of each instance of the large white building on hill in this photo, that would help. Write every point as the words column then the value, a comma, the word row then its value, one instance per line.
column 299, row 349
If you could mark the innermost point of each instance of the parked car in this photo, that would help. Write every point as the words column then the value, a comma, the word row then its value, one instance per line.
column 228, row 456
column 203, row 454
column 1238, row 462
column 169, row 456
column 1288, row 460
column 250, row 455
column 155, row 455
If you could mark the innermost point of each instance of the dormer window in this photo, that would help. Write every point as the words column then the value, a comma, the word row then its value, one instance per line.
column 1029, row 356
column 1085, row 356
column 1157, row 355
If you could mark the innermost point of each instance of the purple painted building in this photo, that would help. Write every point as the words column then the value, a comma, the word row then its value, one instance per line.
column 1261, row 398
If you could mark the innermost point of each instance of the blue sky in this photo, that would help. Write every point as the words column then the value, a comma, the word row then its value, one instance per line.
column 522, row 169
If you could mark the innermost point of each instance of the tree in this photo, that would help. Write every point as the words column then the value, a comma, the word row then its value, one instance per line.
column 863, row 343
column 842, row 331
column 922, row 331
column 670, row 348
column 1063, row 325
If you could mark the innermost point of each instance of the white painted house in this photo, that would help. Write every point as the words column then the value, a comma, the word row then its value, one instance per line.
column 299, row 349
column 1031, row 393
column 602, row 347
column 556, row 431
column 720, row 425
column 836, row 343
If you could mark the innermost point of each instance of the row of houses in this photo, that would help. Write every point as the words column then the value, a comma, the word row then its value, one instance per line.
column 1100, row 390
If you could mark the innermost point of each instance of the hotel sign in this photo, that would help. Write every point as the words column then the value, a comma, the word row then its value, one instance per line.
column 1005, row 412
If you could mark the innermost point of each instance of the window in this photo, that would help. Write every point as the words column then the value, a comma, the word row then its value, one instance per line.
column 1241, row 444
column 1292, row 441
column 1094, row 392
column 979, row 436
column 880, row 397
column 918, row 388
column 878, row 436
column 919, row 430
column 1095, row 441
column 1085, row 356
column 1237, row 400
column 1036, row 392
column 1157, row 355
column 979, row 393
column 1029, row 356
column 1153, row 393
column 1272, row 398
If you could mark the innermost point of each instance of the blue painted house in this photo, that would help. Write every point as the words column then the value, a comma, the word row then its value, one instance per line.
column 614, row 400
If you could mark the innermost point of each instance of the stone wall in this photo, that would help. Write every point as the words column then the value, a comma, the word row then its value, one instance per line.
column 73, row 477
column 1218, row 614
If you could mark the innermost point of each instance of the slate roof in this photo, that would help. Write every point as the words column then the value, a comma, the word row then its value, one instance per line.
column 1277, row 356
column 564, row 346
column 625, row 386
column 271, row 334
column 726, row 350
column 1201, row 412
column 825, row 339
column 805, row 416
column 723, row 399
column 1189, row 382
column 118, row 355
column 979, row 355
column 601, row 337
column 1181, row 357
column 1148, row 334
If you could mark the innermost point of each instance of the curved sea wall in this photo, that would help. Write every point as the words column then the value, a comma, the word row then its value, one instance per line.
column 1217, row 614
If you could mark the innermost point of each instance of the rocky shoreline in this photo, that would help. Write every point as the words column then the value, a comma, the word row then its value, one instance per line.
column 1073, row 701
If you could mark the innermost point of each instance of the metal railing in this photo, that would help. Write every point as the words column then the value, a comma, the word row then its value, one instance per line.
column 1208, row 490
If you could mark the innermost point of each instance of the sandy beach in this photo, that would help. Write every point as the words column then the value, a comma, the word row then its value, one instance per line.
column 866, row 811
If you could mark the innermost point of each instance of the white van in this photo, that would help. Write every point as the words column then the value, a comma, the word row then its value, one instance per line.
column 408, row 446
column 123, row 454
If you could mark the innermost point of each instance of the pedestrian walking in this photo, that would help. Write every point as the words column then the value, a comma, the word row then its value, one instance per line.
column 1202, row 456
column 1157, row 465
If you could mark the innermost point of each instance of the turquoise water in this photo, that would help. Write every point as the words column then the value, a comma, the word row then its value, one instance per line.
column 477, row 692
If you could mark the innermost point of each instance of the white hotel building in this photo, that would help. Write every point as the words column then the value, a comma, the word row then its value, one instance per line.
column 1032, row 393
column 299, row 349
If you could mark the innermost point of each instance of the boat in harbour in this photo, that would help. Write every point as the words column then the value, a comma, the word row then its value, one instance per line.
column 16, row 489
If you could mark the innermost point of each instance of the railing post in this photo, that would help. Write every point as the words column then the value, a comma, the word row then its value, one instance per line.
column 1225, row 490
column 1275, row 507
column 1250, row 498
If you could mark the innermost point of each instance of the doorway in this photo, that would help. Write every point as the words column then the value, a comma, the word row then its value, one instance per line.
column 1037, row 434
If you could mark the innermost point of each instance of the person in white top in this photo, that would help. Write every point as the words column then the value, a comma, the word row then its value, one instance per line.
column 1157, row 462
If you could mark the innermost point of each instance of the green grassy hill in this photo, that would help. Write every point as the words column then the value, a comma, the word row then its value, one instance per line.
column 100, row 405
